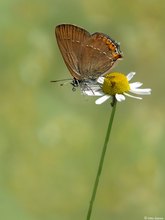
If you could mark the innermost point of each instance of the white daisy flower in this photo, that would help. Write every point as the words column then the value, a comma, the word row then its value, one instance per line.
column 115, row 85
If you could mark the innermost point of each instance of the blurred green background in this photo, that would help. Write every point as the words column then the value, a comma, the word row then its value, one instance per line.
column 51, row 138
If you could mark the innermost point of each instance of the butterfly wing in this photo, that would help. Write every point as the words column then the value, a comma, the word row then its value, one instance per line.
column 97, row 56
column 70, row 39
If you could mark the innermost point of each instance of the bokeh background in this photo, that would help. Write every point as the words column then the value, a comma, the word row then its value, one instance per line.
column 51, row 137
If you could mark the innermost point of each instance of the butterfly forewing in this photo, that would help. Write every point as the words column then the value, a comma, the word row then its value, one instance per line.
column 70, row 39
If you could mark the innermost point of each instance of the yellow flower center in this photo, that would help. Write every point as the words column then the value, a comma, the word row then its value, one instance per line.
column 115, row 83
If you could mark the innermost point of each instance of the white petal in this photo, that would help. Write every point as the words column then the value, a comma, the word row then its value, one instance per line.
column 146, row 91
column 92, row 93
column 102, row 99
column 135, row 85
column 130, row 75
column 132, row 96
column 92, row 90
column 100, row 80
column 120, row 97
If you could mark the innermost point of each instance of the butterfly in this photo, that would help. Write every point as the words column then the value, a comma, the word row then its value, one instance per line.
column 87, row 56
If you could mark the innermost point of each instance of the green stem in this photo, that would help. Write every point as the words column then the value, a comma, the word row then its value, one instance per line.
column 101, row 161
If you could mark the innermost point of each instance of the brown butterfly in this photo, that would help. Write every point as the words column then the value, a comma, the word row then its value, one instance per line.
column 86, row 55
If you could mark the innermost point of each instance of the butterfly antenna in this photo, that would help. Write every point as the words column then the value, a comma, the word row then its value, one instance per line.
column 61, row 80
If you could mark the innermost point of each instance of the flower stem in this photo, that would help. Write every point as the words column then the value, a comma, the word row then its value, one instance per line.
column 101, row 161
